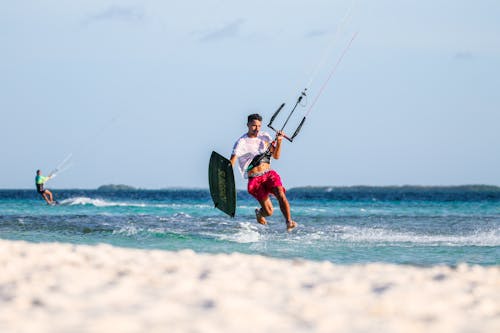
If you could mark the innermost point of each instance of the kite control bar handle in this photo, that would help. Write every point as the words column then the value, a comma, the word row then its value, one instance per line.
column 270, row 125
column 284, row 135
column 294, row 134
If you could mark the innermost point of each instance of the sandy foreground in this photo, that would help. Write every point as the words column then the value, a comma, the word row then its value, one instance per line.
column 66, row 288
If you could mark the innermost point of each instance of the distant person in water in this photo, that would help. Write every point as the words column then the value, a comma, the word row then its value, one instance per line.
column 40, row 181
column 254, row 150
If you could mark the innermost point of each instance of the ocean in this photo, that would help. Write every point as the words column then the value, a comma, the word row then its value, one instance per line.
column 420, row 226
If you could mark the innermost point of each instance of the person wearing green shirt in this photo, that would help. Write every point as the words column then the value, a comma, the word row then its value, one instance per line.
column 39, row 181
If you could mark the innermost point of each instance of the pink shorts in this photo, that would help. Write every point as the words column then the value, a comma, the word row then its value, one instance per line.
column 261, row 186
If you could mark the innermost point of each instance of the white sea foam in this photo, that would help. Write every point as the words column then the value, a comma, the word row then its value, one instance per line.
column 106, row 203
column 128, row 230
column 247, row 233
column 375, row 235
column 181, row 215
column 97, row 202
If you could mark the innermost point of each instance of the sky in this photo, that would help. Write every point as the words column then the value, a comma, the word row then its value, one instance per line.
column 141, row 92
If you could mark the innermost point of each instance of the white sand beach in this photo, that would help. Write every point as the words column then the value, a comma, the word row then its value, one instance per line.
column 55, row 287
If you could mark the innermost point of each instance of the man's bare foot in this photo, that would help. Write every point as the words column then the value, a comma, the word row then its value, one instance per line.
column 259, row 217
column 290, row 225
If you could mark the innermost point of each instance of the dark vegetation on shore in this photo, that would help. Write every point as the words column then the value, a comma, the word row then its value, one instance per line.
column 357, row 188
column 403, row 188
column 114, row 187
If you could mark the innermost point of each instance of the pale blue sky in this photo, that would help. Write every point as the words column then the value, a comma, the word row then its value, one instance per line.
column 141, row 92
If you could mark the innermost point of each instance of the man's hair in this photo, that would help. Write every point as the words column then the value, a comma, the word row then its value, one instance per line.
column 254, row 116
column 38, row 171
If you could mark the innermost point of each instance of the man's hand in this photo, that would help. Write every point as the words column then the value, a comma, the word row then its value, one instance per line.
column 280, row 135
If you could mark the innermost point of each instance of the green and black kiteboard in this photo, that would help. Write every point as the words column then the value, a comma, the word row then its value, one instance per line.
column 221, row 182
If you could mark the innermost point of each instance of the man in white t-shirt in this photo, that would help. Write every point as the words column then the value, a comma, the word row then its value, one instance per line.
column 254, row 151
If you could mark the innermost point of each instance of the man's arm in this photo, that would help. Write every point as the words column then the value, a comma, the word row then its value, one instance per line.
column 277, row 148
column 232, row 159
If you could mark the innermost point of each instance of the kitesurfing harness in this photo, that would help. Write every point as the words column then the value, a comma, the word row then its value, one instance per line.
column 265, row 157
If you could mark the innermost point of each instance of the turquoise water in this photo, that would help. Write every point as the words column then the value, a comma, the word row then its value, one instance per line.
column 346, row 225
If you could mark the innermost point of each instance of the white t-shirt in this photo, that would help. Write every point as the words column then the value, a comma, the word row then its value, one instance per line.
column 246, row 148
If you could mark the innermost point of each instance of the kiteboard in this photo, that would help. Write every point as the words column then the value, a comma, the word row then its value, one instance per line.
column 221, row 183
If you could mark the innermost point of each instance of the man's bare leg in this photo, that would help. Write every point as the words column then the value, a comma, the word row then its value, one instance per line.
column 50, row 196
column 47, row 195
column 279, row 192
column 265, row 210
column 46, row 198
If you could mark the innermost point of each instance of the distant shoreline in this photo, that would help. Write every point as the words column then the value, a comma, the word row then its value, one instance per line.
column 332, row 188
column 400, row 187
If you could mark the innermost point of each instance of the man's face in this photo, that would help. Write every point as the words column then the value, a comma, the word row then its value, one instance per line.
column 254, row 128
